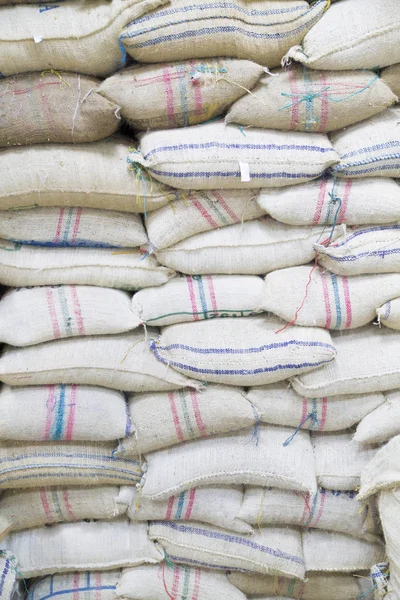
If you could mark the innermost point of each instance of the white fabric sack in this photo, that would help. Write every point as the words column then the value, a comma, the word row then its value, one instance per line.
column 367, row 360
column 344, row 40
column 382, row 471
column 389, row 507
column 339, row 460
column 311, row 204
column 146, row 583
column 242, row 351
column 8, row 569
column 279, row 404
column 34, row 315
column 252, row 248
column 81, row 546
column 382, row 423
column 389, row 314
column 122, row 362
column 391, row 76
column 72, row 227
column 269, row 550
column 215, row 155
column 200, row 211
column 187, row 299
column 250, row 457
column 333, row 301
column 92, row 585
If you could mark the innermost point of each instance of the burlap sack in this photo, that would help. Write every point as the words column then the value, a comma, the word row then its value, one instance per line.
column 279, row 404
column 8, row 574
column 67, row 36
column 27, row 465
column 389, row 507
column 82, row 546
column 187, row 299
column 360, row 34
column 269, row 550
column 179, row 94
column 389, row 314
column 332, row 301
column 34, row 315
column 122, row 362
column 302, row 100
column 382, row 472
column 312, row 203
column 201, row 211
column 382, row 423
column 92, row 585
column 37, row 108
column 215, row 155
column 391, row 76
column 145, row 583
column 252, row 31
column 72, row 227
column 236, row 458
column 242, row 352
column 91, row 175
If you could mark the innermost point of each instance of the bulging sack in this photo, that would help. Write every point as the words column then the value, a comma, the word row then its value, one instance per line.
column 77, row 585
column 8, row 573
column 389, row 314
column 179, row 94
column 382, row 423
column 391, row 76
column 382, row 472
column 215, row 155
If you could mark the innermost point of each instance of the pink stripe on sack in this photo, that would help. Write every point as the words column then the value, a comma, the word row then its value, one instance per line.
column 175, row 583
column 175, row 416
column 192, row 297
column 53, row 315
column 203, row 212
column 75, row 595
column 320, row 202
column 77, row 310
column 68, row 506
column 200, row 424
column 304, row 409
column 212, row 293
column 98, row 582
column 46, row 506
column 326, row 300
column 190, row 504
column 76, row 226
column 306, row 509
column 197, row 92
column 345, row 201
column 59, row 225
column 321, row 507
column 50, row 408
column 226, row 206
column 324, row 411
column 324, row 103
column 169, row 96
column 295, row 98
column 170, row 508
column 71, row 416
column 196, row 590
column 347, row 301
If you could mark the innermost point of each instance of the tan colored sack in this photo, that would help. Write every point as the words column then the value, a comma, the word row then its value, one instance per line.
column 179, row 94
column 382, row 472
column 391, row 76
column 389, row 314
column 8, row 574
column 92, row 585
column 382, row 423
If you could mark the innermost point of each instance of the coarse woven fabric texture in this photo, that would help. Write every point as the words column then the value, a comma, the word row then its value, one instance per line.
column 391, row 76
column 8, row 566
column 381, row 424
column 389, row 314
column 85, row 585
column 382, row 472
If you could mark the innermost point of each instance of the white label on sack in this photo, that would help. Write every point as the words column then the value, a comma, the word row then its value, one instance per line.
column 244, row 171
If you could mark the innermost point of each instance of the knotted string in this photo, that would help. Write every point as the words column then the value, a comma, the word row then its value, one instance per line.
column 314, row 419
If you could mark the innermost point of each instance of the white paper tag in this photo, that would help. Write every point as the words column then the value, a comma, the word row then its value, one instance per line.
column 37, row 39
column 244, row 171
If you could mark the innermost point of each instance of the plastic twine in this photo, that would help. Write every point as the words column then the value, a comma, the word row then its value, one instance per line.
column 313, row 416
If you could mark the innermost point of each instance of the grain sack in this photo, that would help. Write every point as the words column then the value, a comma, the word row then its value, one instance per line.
column 30, row 266
column 34, row 315
column 389, row 314
column 74, row 38
column 269, row 550
column 360, row 34
column 82, row 546
column 312, row 203
column 333, row 301
column 72, row 227
column 122, row 362
column 339, row 460
column 197, row 298
column 279, row 404
column 8, row 573
column 145, row 583
column 233, row 459
column 389, row 506
column 37, row 108
column 215, row 155
column 181, row 93
column 201, row 211
column 330, row 551
column 252, row 248
column 382, row 423
column 242, row 351
column 367, row 360
column 383, row 470
column 92, row 585
column 257, row 31
column 302, row 100
column 91, row 175
column 63, row 412
column 391, row 76
column 162, row 419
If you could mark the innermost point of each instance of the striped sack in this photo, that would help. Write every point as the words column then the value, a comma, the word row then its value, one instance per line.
column 215, row 155
column 242, row 351
column 200, row 211
column 39, row 108
column 85, row 175
column 181, row 93
column 34, row 315
column 389, row 314
column 299, row 99
column 189, row 583
column 8, row 574
column 162, row 419
column 346, row 38
column 37, row 464
column 333, row 301
column 326, row 201
column 233, row 459
column 128, row 269
column 63, row 412
column 389, row 506
column 89, row 585
column 381, row 424
column 252, row 248
column 197, row 298
column 279, row 404
column 382, row 472
column 72, row 227
column 82, row 546
column 268, row 551
column 391, row 76
column 121, row 362
column 259, row 31
column 74, row 38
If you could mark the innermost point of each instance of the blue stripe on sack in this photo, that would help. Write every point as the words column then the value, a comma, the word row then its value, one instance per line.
column 337, row 300
column 4, row 574
column 366, row 231
column 354, row 257
column 70, row 475
column 202, row 295
column 69, row 455
column 77, row 243
column 254, row 350
column 281, row 175
column 179, row 509
column 200, row 563
column 69, row 466
column 349, row 171
column 391, row 144
column 75, row 590
column 59, row 421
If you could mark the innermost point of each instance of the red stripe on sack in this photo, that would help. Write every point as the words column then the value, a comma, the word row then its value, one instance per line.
column 46, row 506
column 197, row 93
column 196, row 589
column 50, row 407
column 212, row 293
column 192, row 297
column 345, row 201
column 347, row 301
column 196, row 409
column 321, row 507
column 324, row 103
column 169, row 96
column 190, row 504
column 304, row 409
column 59, row 225
column 68, row 506
column 76, row 225
column 175, row 583
column 175, row 416
column 97, row 580
column 71, row 416
column 170, row 508
column 204, row 213
column 295, row 98
column 306, row 509
column 326, row 300
column 53, row 315
column 75, row 595
column 320, row 201
column 77, row 310
column 226, row 206
column 324, row 412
